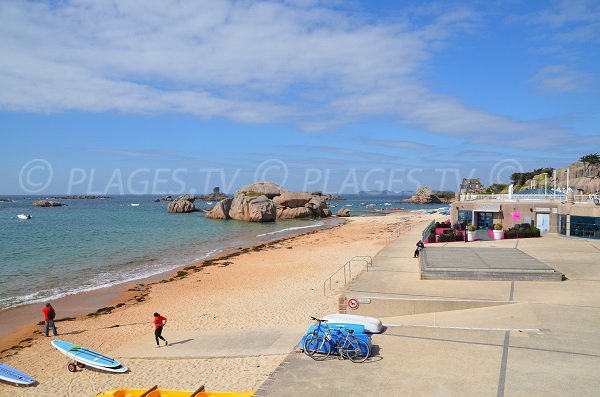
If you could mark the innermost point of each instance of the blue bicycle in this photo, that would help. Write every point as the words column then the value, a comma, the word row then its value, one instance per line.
column 323, row 341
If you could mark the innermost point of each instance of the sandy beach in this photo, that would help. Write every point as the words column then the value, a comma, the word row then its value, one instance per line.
column 278, row 284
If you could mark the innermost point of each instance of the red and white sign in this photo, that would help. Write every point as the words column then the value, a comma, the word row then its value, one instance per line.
column 353, row 303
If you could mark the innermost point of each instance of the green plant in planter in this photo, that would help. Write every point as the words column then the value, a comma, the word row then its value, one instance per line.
column 471, row 228
column 498, row 226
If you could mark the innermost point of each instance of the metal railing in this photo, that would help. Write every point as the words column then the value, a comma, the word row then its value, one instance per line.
column 514, row 197
column 578, row 198
column 368, row 260
column 427, row 230
column 395, row 233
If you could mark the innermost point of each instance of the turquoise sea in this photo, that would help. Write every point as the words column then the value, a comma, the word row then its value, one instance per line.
column 91, row 244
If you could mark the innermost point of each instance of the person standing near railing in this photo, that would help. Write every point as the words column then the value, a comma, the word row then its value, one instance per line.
column 420, row 247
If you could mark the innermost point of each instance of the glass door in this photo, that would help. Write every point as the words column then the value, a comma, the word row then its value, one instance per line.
column 485, row 220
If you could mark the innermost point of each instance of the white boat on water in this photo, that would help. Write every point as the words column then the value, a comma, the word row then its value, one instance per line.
column 135, row 204
column 24, row 216
column 209, row 203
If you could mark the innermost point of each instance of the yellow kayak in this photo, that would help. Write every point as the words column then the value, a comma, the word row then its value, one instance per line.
column 156, row 392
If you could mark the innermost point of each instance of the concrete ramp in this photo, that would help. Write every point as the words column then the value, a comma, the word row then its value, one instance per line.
column 210, row 344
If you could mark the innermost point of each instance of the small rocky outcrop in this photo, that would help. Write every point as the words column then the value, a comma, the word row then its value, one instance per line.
column 167, row 198
column 292, row 200
column 343, row 212
column 5, row 200
column 220, row 210
column 216, row 195
column 182, row 204
column 47, row 203
column 424, row 195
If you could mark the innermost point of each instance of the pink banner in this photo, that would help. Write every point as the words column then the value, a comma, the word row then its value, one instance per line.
column 516, row 216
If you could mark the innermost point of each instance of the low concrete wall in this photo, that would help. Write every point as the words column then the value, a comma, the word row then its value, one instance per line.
column 389, row 307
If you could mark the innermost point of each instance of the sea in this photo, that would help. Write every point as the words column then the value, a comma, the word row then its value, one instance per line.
column 95, row 243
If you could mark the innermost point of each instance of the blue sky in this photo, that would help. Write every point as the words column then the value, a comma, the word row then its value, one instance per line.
column 106, row 97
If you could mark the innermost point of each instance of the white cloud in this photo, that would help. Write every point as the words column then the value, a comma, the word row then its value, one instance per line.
column 249, row 61
column 559, row 78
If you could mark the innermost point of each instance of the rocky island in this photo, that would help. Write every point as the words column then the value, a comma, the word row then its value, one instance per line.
column 268, row 202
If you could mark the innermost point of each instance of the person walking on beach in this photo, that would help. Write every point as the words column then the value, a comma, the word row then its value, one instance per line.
column 420, row 247
column 159, row 323
column 49, row 316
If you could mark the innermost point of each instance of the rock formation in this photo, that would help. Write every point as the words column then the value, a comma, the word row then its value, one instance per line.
column 47, row 203
column 253, row 207
column 424, row 195
column 221, row 210
column 343, row 212
column 269, row 189
column 266, row 202
column 167, row 198
column 182, row 204
column 582, row 179
column 216, row 195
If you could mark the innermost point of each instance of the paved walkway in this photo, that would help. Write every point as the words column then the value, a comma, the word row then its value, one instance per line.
column 468, row 338
column 210, row 344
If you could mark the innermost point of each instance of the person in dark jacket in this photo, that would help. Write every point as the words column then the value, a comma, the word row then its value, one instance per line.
column 49, row 315
column 420, row 247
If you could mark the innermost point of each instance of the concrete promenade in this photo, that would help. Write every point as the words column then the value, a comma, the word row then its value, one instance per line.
column 467, row 337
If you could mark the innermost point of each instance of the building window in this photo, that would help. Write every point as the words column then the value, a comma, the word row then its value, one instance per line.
column 465, row 218
column 585, row 226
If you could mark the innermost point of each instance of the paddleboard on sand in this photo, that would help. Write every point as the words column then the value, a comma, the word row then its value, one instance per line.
column 12, row 375
column 83, row 357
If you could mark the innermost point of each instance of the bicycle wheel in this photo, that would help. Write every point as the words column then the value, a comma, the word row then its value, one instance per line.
column 357, row 350
column 316, row 347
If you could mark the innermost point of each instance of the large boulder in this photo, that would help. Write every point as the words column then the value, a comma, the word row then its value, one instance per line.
column 252, row 208
column 220, row 210
column 343, row 212
column 293, row 213
column 269, row 189
column 182, row 204
column 292, row 200
column 47, row 203
column 424, row 195
column 319, row 206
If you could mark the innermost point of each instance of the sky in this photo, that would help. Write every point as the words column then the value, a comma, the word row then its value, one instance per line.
column 153, row 97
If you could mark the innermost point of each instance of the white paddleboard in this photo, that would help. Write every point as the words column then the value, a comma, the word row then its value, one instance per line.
column 9, row 374
column 371, row 324
column 88, row 357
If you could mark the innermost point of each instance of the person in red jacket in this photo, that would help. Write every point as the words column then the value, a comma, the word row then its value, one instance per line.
column 49, row 315
column 159, row 323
